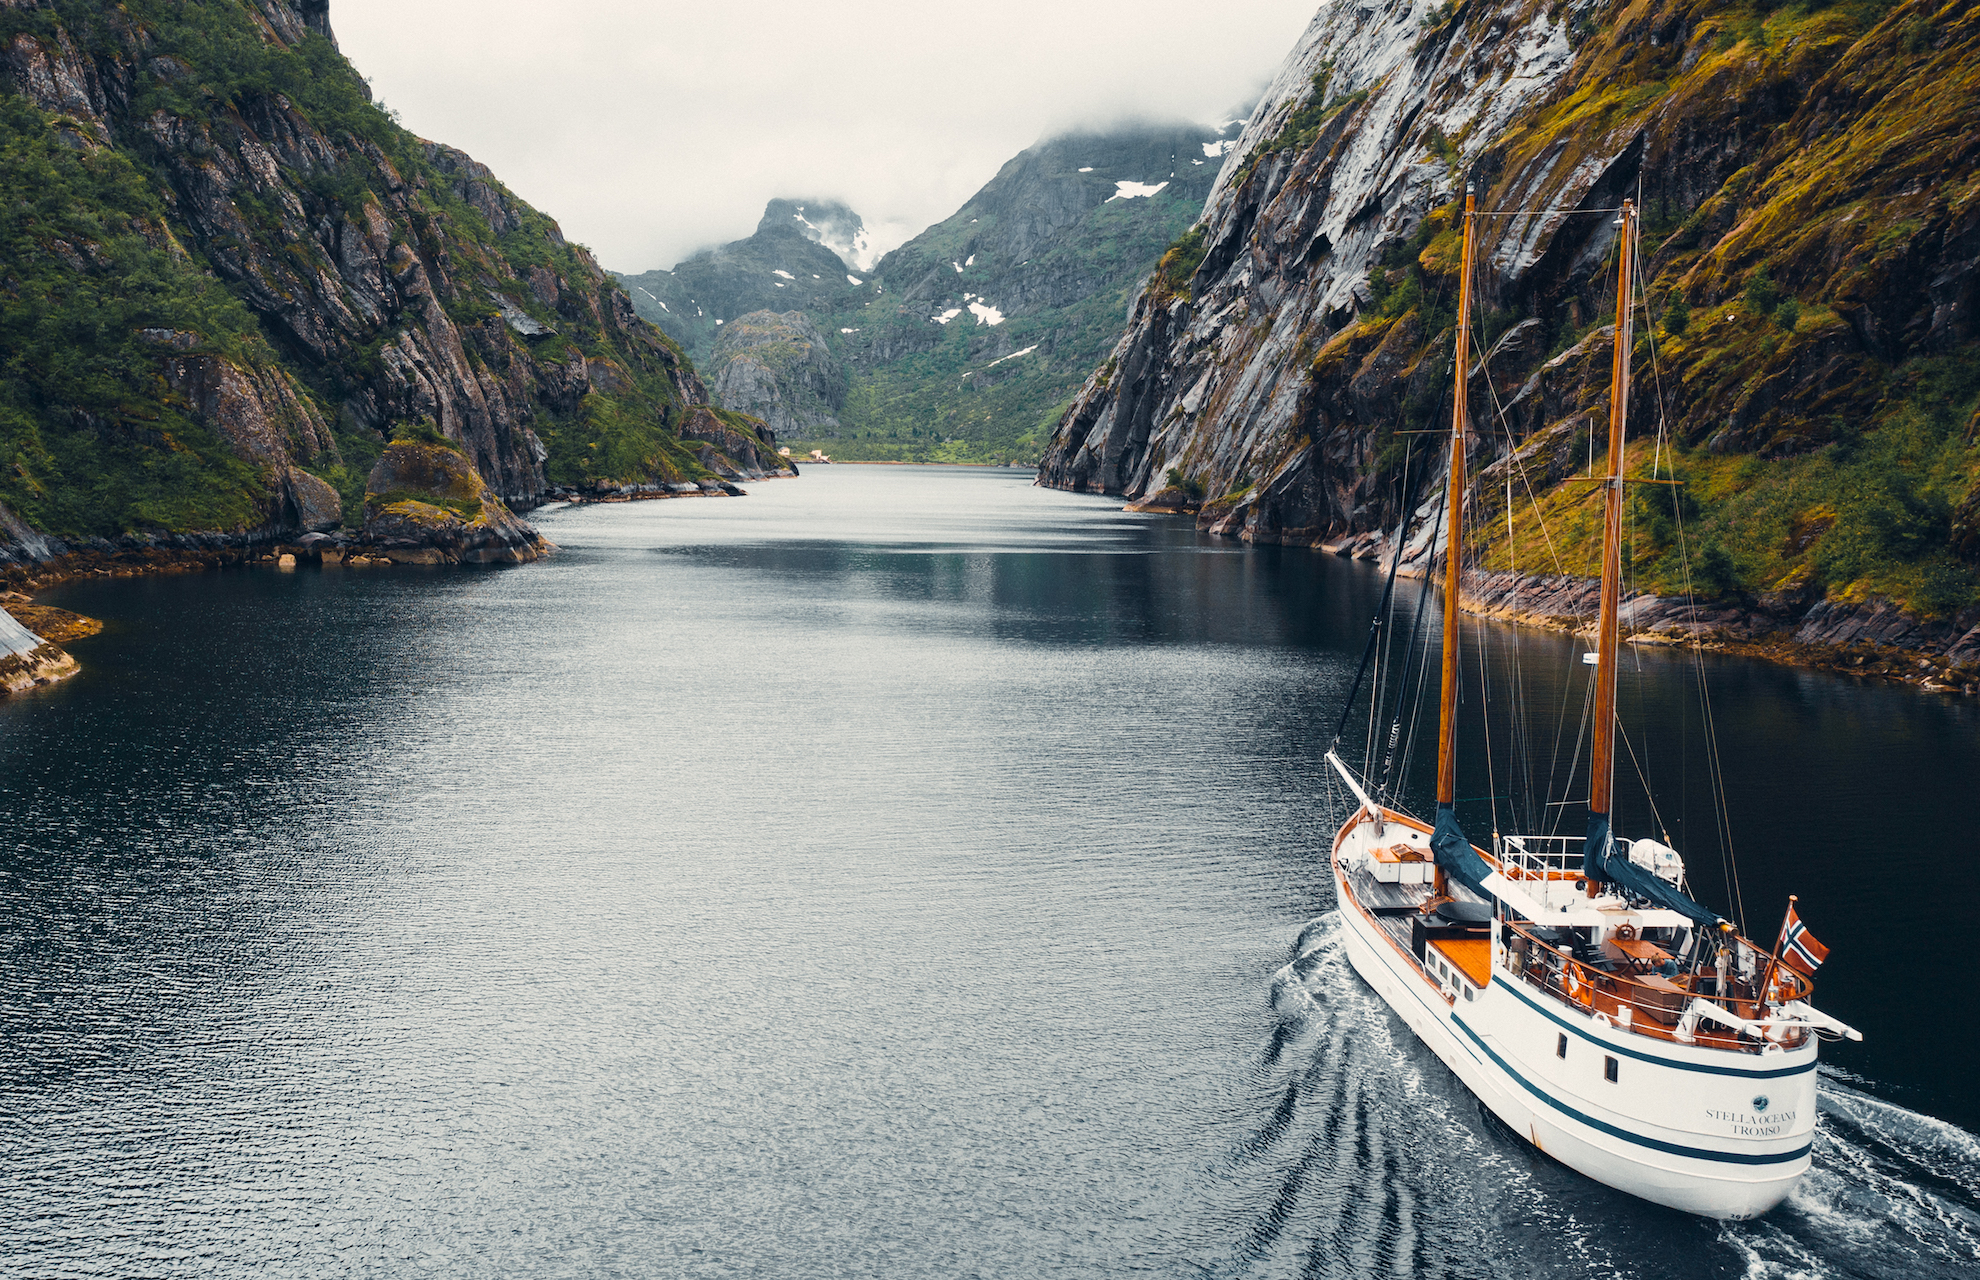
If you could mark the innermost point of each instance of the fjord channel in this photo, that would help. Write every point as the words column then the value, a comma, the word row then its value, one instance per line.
column 902, row 871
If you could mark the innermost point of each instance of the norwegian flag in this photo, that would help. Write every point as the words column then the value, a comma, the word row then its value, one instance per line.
column 1799, row 950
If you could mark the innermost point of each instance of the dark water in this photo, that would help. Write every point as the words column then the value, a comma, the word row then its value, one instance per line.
column 896, row 873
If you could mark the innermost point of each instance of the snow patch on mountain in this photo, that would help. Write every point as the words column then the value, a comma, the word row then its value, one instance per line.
column 843, row 232
column 1012, row 356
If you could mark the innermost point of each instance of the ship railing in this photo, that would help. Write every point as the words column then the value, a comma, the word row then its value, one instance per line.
column 1650, row 1004
column 1542, row 857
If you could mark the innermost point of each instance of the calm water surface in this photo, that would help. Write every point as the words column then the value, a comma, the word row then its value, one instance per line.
column 896, row 873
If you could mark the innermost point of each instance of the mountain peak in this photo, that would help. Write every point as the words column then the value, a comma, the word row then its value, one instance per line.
column 825, row 222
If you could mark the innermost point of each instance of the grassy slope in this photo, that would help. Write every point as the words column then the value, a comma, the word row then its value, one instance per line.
column 1848, row 486
column 119, row 450
column 1845, row 470
column 945, row 404
column 136, row 462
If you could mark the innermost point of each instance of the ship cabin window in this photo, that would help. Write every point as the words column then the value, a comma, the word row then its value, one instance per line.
column 1560, row 1046
column 1609, row 1069
column 1467, row 991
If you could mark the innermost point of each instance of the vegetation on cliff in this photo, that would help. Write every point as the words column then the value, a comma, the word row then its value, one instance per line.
column 1811, row 268
column 230, row 276
column 93, row 296
column 965, row 343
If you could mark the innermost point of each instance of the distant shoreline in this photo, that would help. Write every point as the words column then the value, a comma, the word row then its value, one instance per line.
column 898, row 462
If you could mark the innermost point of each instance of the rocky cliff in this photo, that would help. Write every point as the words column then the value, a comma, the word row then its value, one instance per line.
column 228, row 276
column 425, row 503
column 778, row 367
column 1810, row 276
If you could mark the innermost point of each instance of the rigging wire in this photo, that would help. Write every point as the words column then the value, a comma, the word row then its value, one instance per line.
column 1406, row 683
column 1714, row 761
column 1378, row 694
column 1374, row 628
column 1515, row 213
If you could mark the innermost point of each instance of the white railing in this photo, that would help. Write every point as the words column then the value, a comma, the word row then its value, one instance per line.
column 1544, row 857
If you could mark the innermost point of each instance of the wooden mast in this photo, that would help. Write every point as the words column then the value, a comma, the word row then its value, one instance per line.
column 1454, row 533
column 1603, row 757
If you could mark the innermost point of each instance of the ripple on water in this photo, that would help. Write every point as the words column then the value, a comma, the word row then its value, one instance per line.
column 885, row 875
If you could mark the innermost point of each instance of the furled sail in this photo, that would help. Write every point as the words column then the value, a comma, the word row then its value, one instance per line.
column 1603, row 859
column 1455, row 855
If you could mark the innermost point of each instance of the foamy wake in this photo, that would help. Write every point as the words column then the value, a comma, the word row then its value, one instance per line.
column 1357, row 1154
column 1892, row 1193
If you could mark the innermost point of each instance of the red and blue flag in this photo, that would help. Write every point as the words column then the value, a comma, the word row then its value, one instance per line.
column 1799, row 950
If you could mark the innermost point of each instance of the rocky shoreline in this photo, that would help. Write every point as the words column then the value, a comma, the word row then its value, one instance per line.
column 1869, row 638
column 28, row 659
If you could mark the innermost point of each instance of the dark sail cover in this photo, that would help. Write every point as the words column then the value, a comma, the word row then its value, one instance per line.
column 1456, row 856
column 1601, row 857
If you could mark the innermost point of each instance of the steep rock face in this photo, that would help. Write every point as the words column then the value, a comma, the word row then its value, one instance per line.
column 364, row 278
column 792, row 261
column 1811, row 255
column 1211, row 374
column 779, row 368
column 734, row 445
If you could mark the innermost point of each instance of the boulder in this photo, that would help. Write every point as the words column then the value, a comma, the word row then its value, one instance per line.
column 426, row 504
column 311, row 504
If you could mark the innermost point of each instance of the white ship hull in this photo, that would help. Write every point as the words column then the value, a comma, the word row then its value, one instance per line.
column 1679, row 1125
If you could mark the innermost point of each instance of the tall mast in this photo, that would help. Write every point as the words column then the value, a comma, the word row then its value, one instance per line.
column 1454, row 529
column 1603, row 759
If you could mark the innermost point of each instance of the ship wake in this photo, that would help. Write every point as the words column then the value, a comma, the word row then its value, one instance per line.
column 1893, row 1193
column 1354, row 1152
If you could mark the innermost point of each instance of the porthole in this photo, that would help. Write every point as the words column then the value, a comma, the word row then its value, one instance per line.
column 1560, row 1046
column 1609, row 1069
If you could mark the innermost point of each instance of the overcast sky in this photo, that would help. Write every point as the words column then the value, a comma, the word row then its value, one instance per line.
column 650, row 128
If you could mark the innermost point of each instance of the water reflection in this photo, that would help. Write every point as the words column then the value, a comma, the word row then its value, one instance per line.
column 882, row 874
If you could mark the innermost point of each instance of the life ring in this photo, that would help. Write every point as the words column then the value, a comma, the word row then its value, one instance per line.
column 1625, row 933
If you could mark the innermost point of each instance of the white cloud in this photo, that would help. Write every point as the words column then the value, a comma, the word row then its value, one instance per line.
column 650, row 129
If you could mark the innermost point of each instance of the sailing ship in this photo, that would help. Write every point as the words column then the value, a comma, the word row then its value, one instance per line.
column 1572, row 983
